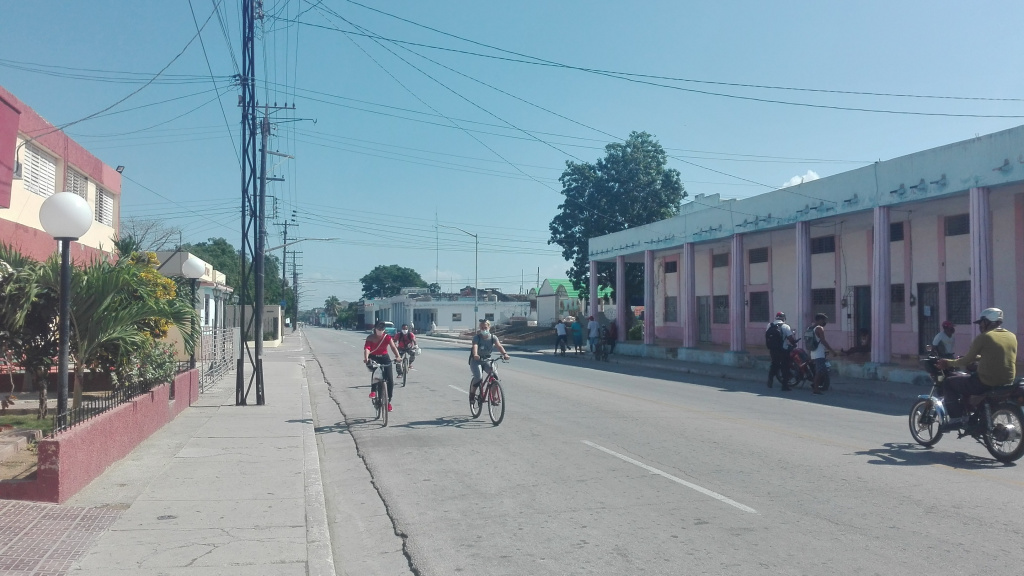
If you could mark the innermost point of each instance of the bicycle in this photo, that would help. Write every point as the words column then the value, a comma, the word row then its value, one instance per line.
column 403, row 368
column 560, row 344
column 380, row 385
column 601, row 351
column 491, row 392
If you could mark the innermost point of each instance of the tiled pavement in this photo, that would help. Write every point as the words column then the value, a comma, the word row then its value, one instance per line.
column 45, row 539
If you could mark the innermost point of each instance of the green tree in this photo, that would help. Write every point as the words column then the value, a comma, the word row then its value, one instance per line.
column 225, row 259
column 630, row 186
column 384, row 281
column 332, row 306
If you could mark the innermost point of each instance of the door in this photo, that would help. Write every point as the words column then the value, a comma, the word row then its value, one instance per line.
column 861, row 313
column 927, row 313
column 704, row 318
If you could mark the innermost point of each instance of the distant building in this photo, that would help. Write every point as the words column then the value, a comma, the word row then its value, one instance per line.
column 452, row 312
column 557, row 298
column 36, row 161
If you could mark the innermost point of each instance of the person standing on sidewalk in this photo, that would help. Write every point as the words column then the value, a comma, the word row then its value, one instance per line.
column 577, row 335
column 779, row 340
column 560, row 336
column 818, row 346
column 376, row 349
column 593, row 333
column 943, row 342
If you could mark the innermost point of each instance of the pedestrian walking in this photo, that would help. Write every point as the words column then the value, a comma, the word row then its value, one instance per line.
column 577, row 335
column 819, row 347
column 593, row 332
column 778, row 337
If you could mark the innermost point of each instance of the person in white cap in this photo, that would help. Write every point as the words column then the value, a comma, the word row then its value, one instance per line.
column 995, row 351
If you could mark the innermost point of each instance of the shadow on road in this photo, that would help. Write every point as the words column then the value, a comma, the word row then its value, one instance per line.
column 908, row 454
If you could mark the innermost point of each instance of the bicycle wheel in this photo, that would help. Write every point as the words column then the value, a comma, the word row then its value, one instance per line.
column 405, row 369
column 383, row 396
column 475, row 405
column 375, row 401
column 1004, row 442
column 495, row 402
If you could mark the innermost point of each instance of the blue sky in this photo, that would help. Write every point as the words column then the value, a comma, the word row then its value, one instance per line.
column 399, row 140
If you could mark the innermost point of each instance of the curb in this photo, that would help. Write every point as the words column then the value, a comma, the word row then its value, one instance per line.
column 319, row 554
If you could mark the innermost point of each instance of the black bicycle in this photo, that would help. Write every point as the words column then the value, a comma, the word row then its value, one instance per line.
column 490, row 392
column 379, row 384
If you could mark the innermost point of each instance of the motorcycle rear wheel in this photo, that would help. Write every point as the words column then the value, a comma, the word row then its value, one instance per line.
column 924, row 426
column 1005, row 442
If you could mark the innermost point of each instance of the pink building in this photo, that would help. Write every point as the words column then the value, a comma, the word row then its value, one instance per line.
column 38, row 160
column 890, row 250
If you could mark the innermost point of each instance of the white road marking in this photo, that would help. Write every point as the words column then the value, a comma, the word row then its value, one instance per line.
column 691, row 485
column 457, row 388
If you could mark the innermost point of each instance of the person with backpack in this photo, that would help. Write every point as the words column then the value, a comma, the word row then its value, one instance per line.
column 778, row 337
column 818, row 346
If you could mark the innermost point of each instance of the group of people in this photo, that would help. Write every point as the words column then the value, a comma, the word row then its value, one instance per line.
column 379, row 343
column 994, row 352
column 781, row 340
column 595, row 334
column 376, row 347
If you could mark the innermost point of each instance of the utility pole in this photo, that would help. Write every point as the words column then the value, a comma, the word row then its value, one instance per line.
column 247, row 101
column 295, row 289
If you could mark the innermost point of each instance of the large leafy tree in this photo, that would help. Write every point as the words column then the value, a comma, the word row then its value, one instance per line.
column 384, row 281
column 225, row 259
column 332, row 306
column 630, row 186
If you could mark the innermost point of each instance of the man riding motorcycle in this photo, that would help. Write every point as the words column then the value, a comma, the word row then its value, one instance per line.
column 995, row 351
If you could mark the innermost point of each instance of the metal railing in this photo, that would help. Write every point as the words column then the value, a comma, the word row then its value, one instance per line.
column 215, row 355
column 92, row 406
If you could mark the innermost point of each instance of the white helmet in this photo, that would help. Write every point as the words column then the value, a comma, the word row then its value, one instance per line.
column 991, row 314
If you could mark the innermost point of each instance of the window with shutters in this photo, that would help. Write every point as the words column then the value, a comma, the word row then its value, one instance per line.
column 759, row 311
column 823, row 245
column 76, row 183
column 823, row 301
column 757, row 255
column 104, row 207
column 896, row 232
column 958, row 302
column 671, row 309
column 720, row 260
column 39, row 172
column 897, row 304
column 958, row 225
column 671, row 266
column 720, row 314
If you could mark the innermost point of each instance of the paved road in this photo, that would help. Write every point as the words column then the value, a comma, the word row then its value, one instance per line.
column 598, row 471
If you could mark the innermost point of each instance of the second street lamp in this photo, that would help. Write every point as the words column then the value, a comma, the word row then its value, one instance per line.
column 476, row 272
column 193, row 269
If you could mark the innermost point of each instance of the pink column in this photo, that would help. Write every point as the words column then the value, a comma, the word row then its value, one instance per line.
column 621, row 300
column 737, row 297
column 881, row 288
column 689, row 298
column 981, row 253
column 592, row 303
column 802, row 313
column 648, row 297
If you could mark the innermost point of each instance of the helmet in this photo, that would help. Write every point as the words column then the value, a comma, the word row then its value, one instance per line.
column 780, row 315
column 947, row 324
column 991, row 314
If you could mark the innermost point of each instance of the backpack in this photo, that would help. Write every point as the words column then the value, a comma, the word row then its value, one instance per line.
column 773, row 336
column 811, row 339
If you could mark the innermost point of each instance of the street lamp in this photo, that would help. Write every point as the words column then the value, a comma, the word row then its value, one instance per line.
column 66, row 217
column 476, row 271
column 193, row 268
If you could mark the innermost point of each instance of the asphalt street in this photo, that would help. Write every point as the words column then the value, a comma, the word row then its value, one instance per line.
column 601, row 469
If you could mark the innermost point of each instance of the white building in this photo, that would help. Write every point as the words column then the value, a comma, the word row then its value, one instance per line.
column 891, row 249
column 449, row 312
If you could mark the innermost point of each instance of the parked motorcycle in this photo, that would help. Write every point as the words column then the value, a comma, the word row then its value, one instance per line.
column 995, row 418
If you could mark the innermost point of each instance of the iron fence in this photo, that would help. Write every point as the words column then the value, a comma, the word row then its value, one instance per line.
column 215, row 355
column 92, row 405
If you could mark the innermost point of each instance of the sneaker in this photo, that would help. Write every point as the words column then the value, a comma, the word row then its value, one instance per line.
column 787, row 388
column 389, row 407
column 373, row 395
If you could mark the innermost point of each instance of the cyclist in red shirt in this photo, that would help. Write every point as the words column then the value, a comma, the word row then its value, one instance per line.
column 376, row 349
column 406, row 341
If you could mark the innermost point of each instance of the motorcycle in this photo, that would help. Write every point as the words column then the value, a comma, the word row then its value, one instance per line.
column 802, row 369
column 994, row 418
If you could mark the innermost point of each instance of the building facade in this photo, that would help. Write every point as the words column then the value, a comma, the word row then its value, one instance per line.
column 36, row 161
column 888, row 251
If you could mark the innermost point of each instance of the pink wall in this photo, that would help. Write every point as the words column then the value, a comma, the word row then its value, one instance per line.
column 39, row 245
column 73, row 459
column 9, row 119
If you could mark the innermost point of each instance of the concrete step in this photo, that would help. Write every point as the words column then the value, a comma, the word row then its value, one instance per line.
column 12, row 441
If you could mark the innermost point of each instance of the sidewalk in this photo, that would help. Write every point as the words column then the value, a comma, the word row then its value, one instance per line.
column 219, row 490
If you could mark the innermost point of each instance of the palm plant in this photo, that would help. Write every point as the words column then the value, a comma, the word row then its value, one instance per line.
column 332, row 306
column 111, row 308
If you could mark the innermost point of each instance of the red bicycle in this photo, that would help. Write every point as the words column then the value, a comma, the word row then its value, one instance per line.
column 491, row 392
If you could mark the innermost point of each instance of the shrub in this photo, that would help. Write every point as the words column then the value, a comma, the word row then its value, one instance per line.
column 150, row 366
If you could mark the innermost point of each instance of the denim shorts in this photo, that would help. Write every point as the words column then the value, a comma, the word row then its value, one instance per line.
column 819, row 364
